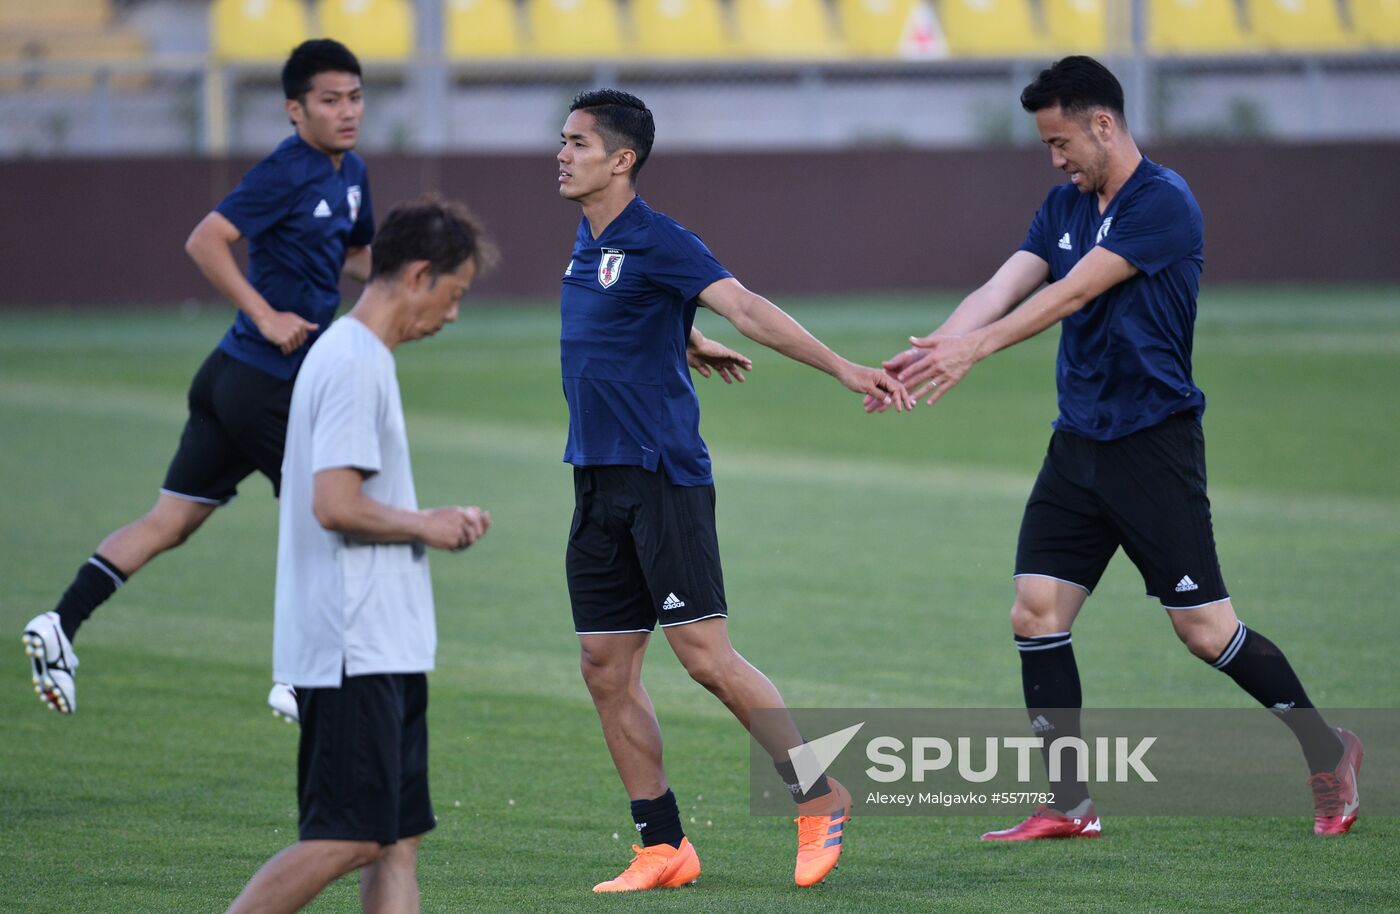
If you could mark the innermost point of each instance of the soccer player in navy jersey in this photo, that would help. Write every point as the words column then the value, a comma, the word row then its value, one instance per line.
column 642, row 548
column 1120, row 250
column 305, row 210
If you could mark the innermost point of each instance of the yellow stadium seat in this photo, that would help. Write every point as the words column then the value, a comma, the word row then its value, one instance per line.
column 1195, row 26
column 990, row 28
column 482, row 28
column 256, row 29
column 785, row 28
column 83, row 14
column 1377, row 22
column 680, row 28
column 373, row 29
column 1077, row 26
column 574, row 28
column 891, row 28
column 1298, row 24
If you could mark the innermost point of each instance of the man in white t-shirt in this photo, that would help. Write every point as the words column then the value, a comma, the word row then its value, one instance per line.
column 354, row 630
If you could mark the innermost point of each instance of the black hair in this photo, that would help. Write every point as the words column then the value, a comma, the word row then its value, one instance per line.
column 1077, row 85
column 319, row 55
column 623, row 121
column 442, row 232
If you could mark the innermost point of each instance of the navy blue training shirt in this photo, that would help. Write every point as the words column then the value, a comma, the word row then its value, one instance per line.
column 627, row 305
column 1125, row 357
column 299, row 215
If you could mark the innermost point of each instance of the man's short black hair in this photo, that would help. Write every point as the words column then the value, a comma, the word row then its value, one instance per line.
column 623, row 121
column 319, row 55
column 442, row 232
column 1077, row 85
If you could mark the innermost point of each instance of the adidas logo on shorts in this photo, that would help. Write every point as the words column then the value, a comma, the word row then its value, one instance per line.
column 1186, row 584
column 672, row 602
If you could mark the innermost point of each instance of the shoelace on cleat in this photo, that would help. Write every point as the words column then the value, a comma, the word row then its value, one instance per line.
column 813, row 831
column 1327, row 793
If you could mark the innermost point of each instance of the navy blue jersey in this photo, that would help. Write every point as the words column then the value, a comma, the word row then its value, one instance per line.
column 627, row 305
column 1125, row 357
column 299, row 215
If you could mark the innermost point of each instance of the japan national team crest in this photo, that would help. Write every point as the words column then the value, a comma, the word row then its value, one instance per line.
column 352, row 198
column 610, row 267
column 1103, row 230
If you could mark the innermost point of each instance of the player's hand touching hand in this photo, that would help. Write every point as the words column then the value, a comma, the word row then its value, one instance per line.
column 710, row 356
column 943, row 362
column 894, row 365
column 454, row 527
column 877, row 385
column 285, row 330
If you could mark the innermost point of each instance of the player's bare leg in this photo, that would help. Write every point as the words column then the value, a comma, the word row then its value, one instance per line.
column 1206, row 630
column 289, row 881
column 705, row 651
column 389, row 885
column 707, row 654
column 612, row 669
column 167, row 525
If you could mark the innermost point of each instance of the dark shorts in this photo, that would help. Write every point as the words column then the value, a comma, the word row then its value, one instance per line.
column 1145, row 492
column 362, row 767
column 641, row 551
column 237, row 425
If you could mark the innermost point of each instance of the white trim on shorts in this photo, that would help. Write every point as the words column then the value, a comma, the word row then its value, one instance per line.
column 1173, row 609
column 195, row 498
column 1032, row 574
column 620, row 631
column 701, row 619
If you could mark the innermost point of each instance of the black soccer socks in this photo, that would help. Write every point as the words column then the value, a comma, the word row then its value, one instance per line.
column 95, row 581
column 659, row 820
column 788, row 773
column 1050, row 682
column 1259, row 667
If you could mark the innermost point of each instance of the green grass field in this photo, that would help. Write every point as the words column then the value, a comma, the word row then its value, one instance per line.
column 867, row 562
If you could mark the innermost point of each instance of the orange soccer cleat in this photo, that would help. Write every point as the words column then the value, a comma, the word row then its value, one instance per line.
column 821, row 824
column 660, row 866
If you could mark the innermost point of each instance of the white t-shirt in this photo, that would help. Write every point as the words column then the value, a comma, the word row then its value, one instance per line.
column 341, row 604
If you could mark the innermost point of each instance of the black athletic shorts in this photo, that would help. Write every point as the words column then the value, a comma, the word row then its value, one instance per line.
column 1145, row 492
column 237, row 424
column 641, row 551
column 362, row 768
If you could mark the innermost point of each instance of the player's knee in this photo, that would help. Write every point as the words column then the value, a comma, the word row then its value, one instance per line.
column 1203, row 642
column 1031, row 617
column 348, row 856
column 170, row 528
column 605, row 676
column 708, row 670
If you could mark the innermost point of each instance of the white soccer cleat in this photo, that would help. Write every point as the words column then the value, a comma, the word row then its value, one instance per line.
column 283, row 702
column 51, row 653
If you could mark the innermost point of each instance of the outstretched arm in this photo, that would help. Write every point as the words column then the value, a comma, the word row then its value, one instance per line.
column 948, row 358
column 1018, row 277
column 764, row 322
column 210, row 246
